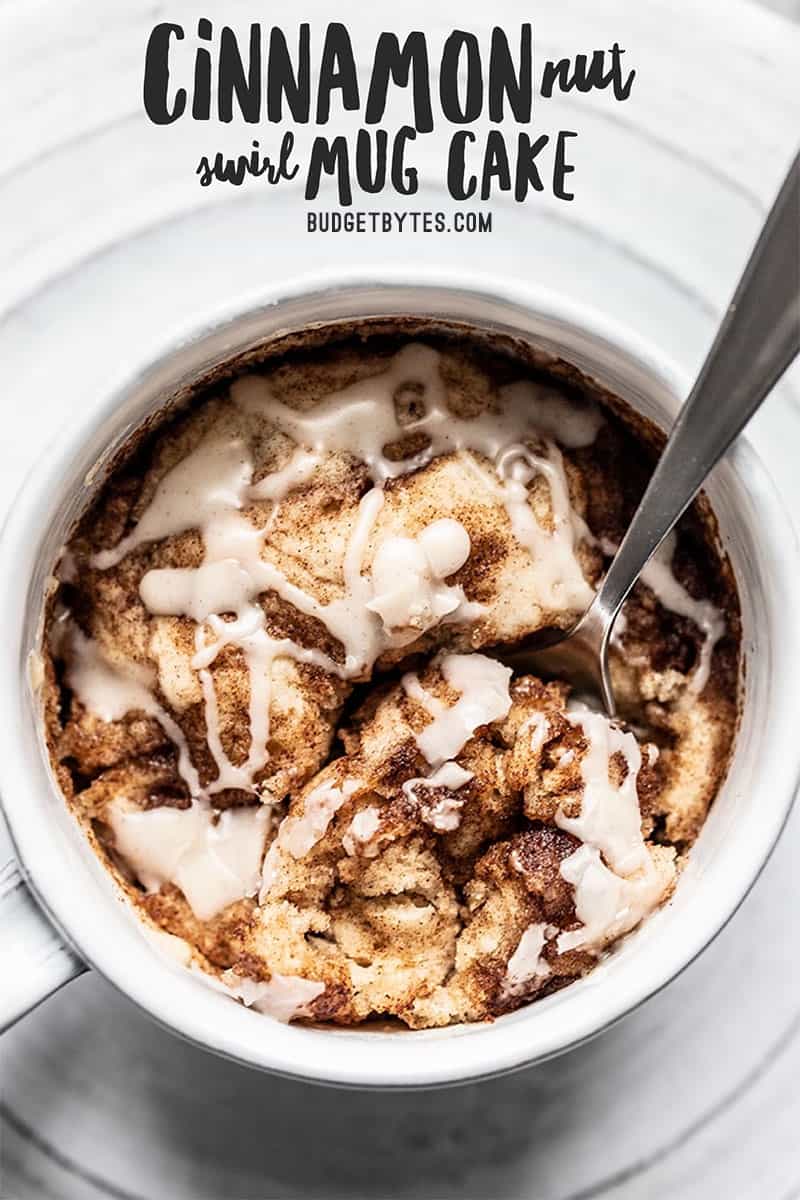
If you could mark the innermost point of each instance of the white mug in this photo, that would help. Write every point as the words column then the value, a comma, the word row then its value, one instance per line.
column 84, row 919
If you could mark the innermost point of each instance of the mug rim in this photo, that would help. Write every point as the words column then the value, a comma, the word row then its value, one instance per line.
column 309, row 1053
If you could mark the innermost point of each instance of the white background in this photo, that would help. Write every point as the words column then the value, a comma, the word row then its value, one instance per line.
column 106, row 243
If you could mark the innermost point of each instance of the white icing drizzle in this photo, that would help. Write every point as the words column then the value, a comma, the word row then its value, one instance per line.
column 408, row 580
column 229, row 580
column 554, row 415
column 282, row 997
column 269, row 870
column 611, row 896
column 406, row 592
column 416, row 692
column 660, row 578
column 348, row 619
column 361, row 420
column 610, row 818
column 104, row 688
column 605, row 903
column 298, row 834
column 442, row 813
column 526, row 963
column 560, row 581
column 110, row 691
column 537, row 728
column 213, row 862
column 277, row 485
column 360, row 832
column 210, row 479
column 483, row 683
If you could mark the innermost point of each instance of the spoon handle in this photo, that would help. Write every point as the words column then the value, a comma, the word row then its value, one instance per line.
column 757, row 340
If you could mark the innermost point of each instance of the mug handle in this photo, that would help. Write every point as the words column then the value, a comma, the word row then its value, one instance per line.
column 34, row 960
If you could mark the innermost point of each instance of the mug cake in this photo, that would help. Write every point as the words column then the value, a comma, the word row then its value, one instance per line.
column 273, row 701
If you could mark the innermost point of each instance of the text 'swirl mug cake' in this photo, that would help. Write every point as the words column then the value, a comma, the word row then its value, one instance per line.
column 271, row 699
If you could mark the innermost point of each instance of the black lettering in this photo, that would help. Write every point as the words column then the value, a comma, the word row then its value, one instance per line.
column 449, row 93
column 371, row 177
column 391, row 61
column 285, row 168
column 458, row 187
column 561, row 167
column 404, row 179
column 337, row 71
column 231, row 77
column 156, row 77
column 282, row 80
column 201, row 98
column 495, row 165
column 527, row 174
column 330, row 158
column 231, row 170
column 588, row 74
column 257, row 165
column 505, row 83
column 622, row 87
column 556, row 73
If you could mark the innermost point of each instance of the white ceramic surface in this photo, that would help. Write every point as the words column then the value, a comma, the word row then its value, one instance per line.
column 738, row 835
column 695, row 1092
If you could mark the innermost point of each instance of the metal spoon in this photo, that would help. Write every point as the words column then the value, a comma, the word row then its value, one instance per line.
column 758, row 338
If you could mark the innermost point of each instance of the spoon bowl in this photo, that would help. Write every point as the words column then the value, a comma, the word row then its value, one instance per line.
column 578, row 655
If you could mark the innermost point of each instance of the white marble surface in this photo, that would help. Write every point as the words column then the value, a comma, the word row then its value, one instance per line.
column 105, row 241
